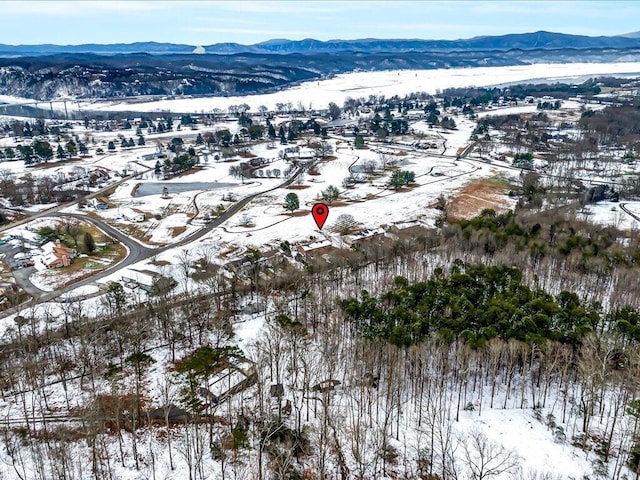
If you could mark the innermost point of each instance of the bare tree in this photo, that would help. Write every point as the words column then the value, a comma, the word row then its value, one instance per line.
column 487, row 459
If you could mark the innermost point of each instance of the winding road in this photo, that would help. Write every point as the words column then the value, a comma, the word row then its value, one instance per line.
column 136, row 251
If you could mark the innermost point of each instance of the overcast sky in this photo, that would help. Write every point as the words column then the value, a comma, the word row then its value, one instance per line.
column 250, row 21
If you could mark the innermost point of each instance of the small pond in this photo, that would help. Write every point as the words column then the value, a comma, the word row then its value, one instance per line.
column 155, row 188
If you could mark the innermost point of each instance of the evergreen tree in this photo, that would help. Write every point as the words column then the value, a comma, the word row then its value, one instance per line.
column 409, row 177
column 89, row 242
column 330, row 194
column 292, row 202
column 42, row 149
column 71, row 147
column 397, row 180
column 60, row 152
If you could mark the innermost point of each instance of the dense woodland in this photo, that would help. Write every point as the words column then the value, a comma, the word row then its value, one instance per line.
column 363, row 369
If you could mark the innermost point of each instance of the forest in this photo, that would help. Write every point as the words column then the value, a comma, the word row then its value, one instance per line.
column 371, row 365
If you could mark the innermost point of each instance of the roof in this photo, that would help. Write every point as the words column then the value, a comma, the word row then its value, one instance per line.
column 50, row 259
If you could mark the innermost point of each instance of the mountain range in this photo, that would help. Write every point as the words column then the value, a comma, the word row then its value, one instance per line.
column 46, row 72
column 525, row 41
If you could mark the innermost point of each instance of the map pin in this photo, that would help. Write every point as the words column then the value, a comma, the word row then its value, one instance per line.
column 320, row 212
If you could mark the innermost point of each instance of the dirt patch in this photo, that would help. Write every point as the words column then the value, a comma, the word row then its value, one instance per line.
column 400, row 153
column 477, row 196
column 247, row 155
column 299, row 213
column 175, row 231
column 297, row 187
column 47, row 165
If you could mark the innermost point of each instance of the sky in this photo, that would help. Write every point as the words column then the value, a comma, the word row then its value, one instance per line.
column 251, row 21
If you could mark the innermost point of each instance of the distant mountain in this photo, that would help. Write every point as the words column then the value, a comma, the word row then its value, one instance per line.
column 631, row 35
column 108, row 49
column 523, row 41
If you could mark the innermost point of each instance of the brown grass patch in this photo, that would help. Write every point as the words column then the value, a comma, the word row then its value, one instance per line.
column 477, row 196
column 135, row 231
column 247, row 155
column 400, row 153
column 297, row 187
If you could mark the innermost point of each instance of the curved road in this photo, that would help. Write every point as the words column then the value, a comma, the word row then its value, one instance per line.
column 136, row 251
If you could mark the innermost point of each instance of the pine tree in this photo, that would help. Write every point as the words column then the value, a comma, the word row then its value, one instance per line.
column 89, row 242
column 292, row 202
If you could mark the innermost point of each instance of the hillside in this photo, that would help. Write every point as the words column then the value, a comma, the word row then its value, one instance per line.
column 84, row 75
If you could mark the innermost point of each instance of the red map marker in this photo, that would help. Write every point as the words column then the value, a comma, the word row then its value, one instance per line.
column 320, row 212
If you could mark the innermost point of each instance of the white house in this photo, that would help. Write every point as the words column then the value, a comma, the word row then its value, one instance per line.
column 132, row 215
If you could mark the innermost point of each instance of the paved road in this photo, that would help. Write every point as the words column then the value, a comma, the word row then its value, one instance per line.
column 136, row 251
column 50, row 211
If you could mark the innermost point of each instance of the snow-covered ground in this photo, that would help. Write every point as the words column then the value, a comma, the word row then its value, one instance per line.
column 317, row 94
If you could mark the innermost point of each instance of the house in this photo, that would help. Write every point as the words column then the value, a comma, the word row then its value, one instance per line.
column 149, row 281
column 57, row 255
column 356, row 239
column 98, row 204
column 132, row 215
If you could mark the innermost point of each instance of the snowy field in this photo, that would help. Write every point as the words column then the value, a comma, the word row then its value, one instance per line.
column 317, row 94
